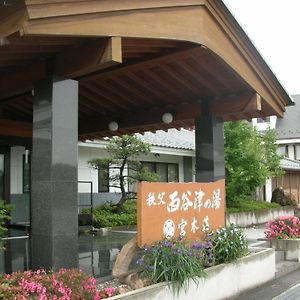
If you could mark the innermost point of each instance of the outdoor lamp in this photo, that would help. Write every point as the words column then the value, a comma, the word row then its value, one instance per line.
column 167, row 118
column 113, row 126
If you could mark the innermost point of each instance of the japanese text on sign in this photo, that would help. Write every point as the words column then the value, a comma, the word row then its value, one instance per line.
column 179, row 209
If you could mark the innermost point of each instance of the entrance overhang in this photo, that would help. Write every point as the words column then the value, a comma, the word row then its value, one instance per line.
column 134, row 60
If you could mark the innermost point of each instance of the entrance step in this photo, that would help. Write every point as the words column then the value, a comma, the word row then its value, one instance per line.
column 285, row 267
column 259, row 243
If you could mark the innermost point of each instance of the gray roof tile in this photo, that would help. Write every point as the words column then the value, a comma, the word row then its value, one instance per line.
column 173, row 138
column 289, row 164
column 289, row 125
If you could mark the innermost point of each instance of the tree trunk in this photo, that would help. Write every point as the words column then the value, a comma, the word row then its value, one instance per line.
column 122, row 187
column 121, row 203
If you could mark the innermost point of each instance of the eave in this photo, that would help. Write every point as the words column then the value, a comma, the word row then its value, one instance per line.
column 186, row 52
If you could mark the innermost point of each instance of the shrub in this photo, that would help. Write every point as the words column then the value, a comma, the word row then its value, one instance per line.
column 285, row 227
column 228, row 244
column 66, row 284
column 245, row 205
column 175, row 261
column 105, row 215
column 4, row 217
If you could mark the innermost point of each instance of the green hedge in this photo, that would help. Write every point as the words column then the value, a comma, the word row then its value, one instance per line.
column 104, row 215
column 250, row 205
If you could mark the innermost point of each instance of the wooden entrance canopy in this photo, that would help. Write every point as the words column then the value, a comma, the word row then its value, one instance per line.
column 134, row 60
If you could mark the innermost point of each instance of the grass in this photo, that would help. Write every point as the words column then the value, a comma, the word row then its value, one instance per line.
column 250, row 205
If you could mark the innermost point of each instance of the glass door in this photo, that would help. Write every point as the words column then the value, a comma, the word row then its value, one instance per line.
column 1, row 176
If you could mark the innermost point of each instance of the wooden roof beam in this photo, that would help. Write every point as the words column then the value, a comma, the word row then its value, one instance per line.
column 11, row 18
column 73, row 63
column 141, row 118
column 89, row 58
column 44, row 8
column 246, row 102
column 206, row 22
column 15, row 128
column 12, row 85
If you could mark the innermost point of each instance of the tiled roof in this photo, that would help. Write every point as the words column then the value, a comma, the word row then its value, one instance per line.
column 185, row 139
column 289, row 125
column 173, row 138
column 290, row 164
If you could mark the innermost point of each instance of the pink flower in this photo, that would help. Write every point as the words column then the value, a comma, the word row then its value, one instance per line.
column 283, row 227
column 109, row 291
column 97, row 296
column 62, row 285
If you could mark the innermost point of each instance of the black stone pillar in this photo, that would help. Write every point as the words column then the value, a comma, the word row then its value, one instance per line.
column 209, row 138
column 54, row 220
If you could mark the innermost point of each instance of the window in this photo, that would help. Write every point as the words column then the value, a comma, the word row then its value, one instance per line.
column 281, row 150
column 297, row 152
column 103, row 179
column 173, row 173
column 264, row 120
column 26, row 174
column 167, row 172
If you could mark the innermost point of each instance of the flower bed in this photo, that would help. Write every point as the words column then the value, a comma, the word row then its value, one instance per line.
column 66, row 284
column 257, row 268
column 177, row 261
column 283, row 234
column 284, row 227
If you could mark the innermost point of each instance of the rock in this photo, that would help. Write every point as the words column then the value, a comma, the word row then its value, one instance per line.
column 278, row 196
column 134, row 281
column 124, row 259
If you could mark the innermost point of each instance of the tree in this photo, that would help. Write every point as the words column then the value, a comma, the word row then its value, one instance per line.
column 123, row 152
column 250, row 158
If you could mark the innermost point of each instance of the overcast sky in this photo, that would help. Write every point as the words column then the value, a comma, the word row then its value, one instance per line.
column 274, row 28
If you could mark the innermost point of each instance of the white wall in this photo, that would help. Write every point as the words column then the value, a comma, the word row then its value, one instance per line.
column 221, row 282
column 265, row 125
column 291, row 152
column 269, row 190
column 86, row 173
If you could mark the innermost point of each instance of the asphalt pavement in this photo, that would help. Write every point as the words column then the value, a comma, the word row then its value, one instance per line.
column 284, row 288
